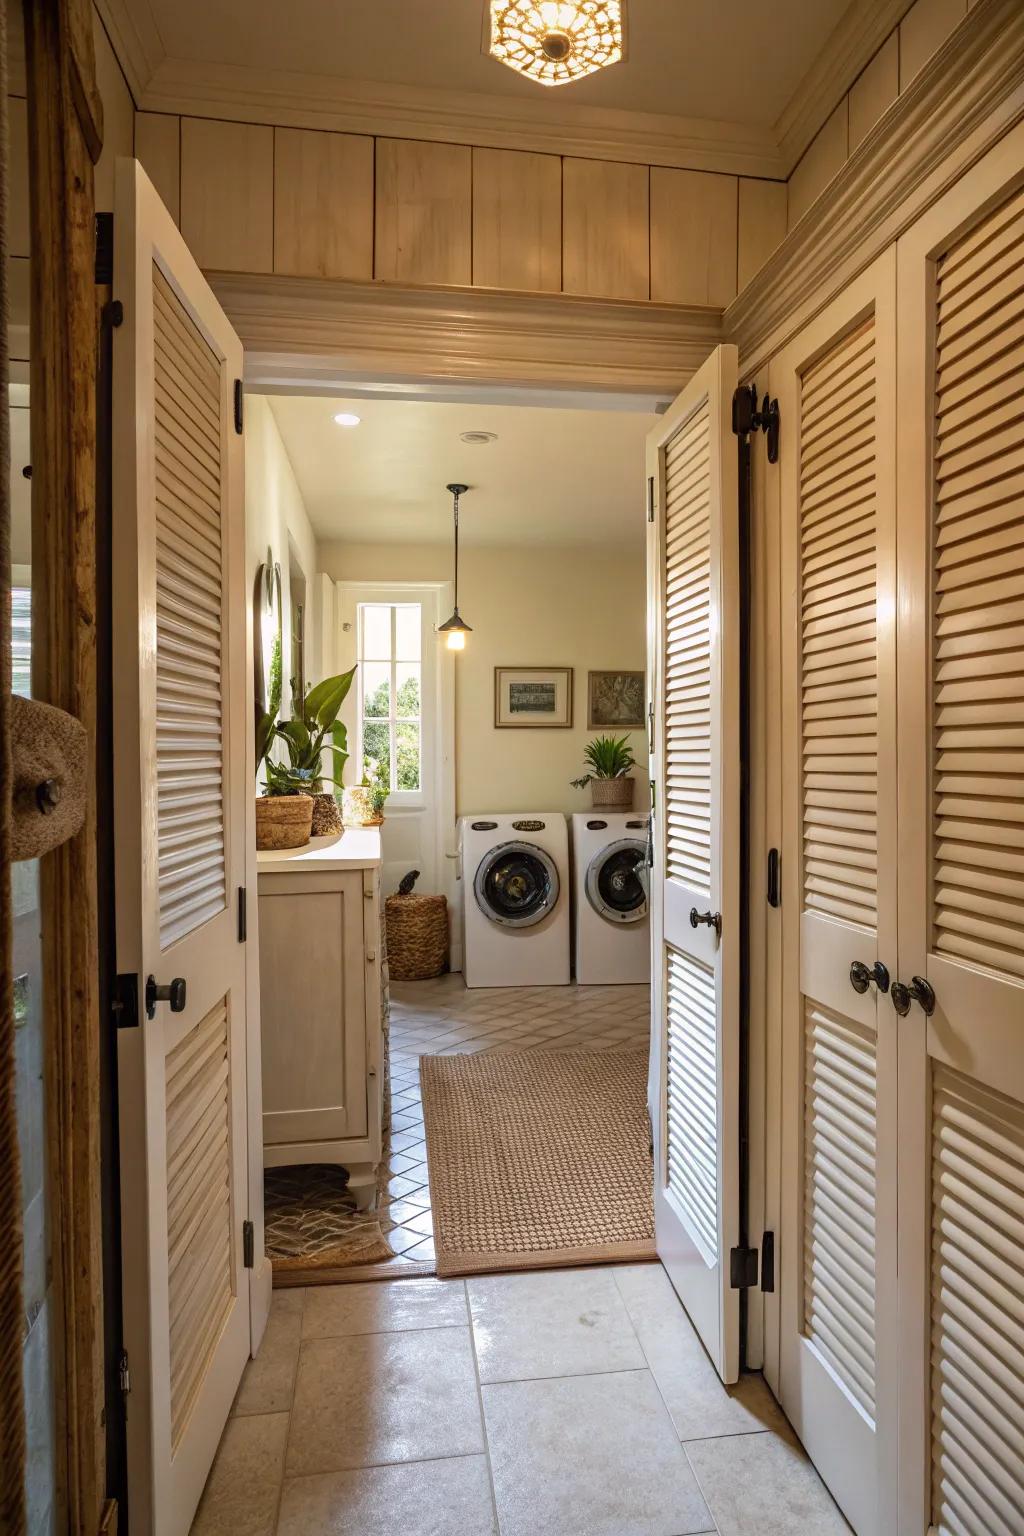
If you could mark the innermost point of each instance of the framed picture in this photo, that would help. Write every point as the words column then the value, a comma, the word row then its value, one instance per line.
column 532, row 697
column 615, row 701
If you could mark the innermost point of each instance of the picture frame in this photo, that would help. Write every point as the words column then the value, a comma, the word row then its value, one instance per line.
column 616, row 701
column 532, row 698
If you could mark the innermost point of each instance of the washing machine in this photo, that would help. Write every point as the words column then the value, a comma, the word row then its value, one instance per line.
column 613, row 930
column 515, row 900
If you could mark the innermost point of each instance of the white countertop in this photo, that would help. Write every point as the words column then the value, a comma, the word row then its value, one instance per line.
column 355, row 848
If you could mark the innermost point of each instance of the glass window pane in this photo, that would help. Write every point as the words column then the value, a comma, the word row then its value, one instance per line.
column 407, row 737
column 377, row 746
column 407, row 690
column 375, row 677
column 408, row 628
column 376, row 631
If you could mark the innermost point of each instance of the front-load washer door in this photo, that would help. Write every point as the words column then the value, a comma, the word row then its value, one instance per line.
column 615, row 888
column 516, row 885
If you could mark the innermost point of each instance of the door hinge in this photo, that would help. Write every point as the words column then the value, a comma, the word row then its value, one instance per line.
column 104, row 249
column 774, row 892
column 746, row 418
column 124, row 1375
column 650, row 727
column 124, row 1004
column 239, row 408
column 650, row 498
column 243, row 920
column 742, row 1268
column 768, row 1262
column 248, row 1245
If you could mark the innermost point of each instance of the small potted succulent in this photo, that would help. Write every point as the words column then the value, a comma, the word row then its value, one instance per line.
column 363, row 804
column 608, row 759
column 293, row 790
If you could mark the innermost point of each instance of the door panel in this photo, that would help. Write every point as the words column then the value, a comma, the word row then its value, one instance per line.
column 694, row 641
column 961, row 808
column 836, row 384
column 181, row 722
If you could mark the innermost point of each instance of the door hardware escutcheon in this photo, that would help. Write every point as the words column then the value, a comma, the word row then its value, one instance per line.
column 174, row 993
column 920, row 991
column 707, row 920
column 861, row 976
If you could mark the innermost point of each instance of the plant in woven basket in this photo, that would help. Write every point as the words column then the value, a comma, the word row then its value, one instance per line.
column 607, row 757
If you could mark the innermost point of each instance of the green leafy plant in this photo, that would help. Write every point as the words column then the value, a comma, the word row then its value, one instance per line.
column 306, row 740
column 375, row 779
column 607, row 757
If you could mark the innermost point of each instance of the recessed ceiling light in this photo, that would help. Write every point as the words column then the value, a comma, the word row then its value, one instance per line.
column 346, row 419
column 479, row 437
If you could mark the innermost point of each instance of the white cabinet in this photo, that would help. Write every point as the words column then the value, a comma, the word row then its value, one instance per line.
column 320, row 991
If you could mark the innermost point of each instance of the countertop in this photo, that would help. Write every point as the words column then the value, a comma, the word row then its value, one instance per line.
column 355, row 848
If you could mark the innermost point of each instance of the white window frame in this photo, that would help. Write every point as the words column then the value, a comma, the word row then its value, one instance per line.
column 411, row 798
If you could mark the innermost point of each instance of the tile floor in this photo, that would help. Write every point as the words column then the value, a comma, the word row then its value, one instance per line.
column 560, row 1403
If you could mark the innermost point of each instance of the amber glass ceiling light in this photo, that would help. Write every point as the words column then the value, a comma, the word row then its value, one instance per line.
column 455, row 629
column 553, row 42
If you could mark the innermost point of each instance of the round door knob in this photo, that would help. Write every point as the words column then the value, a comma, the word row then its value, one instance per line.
column 861, row 976
column 919, row 991
column 174, row 992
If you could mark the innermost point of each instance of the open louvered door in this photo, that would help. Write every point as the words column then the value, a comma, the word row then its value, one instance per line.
column 961, row 806
column 180, row 722
column 694, row 641
column 835, row 385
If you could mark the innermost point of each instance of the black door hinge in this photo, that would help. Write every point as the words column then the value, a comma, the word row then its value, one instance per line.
column 124, row 1003
column 124, row 1375
column 746, row 418
column 774, row 891
column 238, row 406
column 242, row 917
column 768, row 1262
column 104, row 268
column 650, row 498
column 248, row 1245
column 742, row 1268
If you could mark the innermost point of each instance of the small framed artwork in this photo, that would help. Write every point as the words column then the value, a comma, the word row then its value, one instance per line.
column 615, row 701
column 532, row 697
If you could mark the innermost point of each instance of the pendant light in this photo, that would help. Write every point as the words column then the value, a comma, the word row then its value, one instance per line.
column 556, row 41
column 455, row 629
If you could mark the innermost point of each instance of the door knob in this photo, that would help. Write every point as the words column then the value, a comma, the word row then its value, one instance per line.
column 919, row 991
column 173, row 993
column 861, row 976
column 707, row 919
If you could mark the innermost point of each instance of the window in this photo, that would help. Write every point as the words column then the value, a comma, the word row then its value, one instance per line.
column 391, row 691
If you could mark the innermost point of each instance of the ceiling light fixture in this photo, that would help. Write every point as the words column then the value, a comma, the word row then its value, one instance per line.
column 455, row 629
column 347, row 419
column 477, row 438
column 553, row 42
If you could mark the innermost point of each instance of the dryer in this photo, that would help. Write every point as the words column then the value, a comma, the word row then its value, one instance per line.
column 515, row 899
column 613, row 931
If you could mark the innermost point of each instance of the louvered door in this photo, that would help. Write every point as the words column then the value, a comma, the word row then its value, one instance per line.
column 837, row 1374
column 694, row 642
column 181, row 794
column 961, row 807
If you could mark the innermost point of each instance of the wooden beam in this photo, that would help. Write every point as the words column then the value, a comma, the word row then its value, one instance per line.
column 65, row 130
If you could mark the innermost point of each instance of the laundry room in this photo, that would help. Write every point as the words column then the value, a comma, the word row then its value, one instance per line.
column 450, row 598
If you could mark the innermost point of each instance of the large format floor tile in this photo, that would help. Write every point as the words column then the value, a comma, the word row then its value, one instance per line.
column 416, row 1498
column 244, row 1486
column 383, row 1306
column 268, row 1380
column 558, row 1322
column 589, row 1456
column 380, row 1397
column 764, row 1485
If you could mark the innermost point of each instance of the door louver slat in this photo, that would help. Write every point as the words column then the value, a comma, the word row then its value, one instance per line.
column 978, row 569
column 687, row 653
column 977, row 1308
column 691, row 1095
column 189, row 726
column 839, row 1198
column 837, row 639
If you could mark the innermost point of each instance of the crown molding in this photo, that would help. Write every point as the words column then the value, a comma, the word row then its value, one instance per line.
column 135, row 39
column 968, row 97
column 314, row 330
column 857, row 37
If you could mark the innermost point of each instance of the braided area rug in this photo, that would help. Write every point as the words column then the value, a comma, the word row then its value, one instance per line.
column 538, row 1159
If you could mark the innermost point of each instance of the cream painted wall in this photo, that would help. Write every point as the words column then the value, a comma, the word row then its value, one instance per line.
column 561, row 607
column 275, row 517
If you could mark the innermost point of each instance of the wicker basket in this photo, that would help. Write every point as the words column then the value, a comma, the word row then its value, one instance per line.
column 417, row 930
column 612, row 794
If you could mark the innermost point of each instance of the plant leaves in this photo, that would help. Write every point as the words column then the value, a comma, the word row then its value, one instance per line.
column 322, row 703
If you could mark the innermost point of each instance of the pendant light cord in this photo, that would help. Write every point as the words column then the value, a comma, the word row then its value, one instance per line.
column 456, row 496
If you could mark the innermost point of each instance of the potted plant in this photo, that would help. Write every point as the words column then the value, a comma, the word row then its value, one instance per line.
column 306, row 740
column 363, row 804
column 284, row 812
column 608, row 759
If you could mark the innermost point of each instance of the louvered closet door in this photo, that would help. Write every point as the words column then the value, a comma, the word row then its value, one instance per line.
column 961, row 536
column 837, row 1246
column 180, row 719
column 694, row 665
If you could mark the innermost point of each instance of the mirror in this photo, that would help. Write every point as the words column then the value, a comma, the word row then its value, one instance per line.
column 267, row 636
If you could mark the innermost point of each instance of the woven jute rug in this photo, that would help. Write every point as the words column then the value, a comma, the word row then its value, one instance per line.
column 314, row 1228
column 538, row 1159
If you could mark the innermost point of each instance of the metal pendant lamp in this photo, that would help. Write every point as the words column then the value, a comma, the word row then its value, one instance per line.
column 456, row 629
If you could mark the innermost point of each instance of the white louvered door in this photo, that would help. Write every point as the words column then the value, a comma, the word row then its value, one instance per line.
column 835, row 384
column 180, row 721
column 961, row 855
column 694, row 643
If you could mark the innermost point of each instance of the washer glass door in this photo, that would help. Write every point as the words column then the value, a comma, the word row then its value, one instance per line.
column 615, row 889
column 516, row 885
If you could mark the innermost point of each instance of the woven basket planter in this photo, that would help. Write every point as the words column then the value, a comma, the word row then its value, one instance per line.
column 417, row 930
column 326, row 816
column 612, row 794
column 283, row 821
